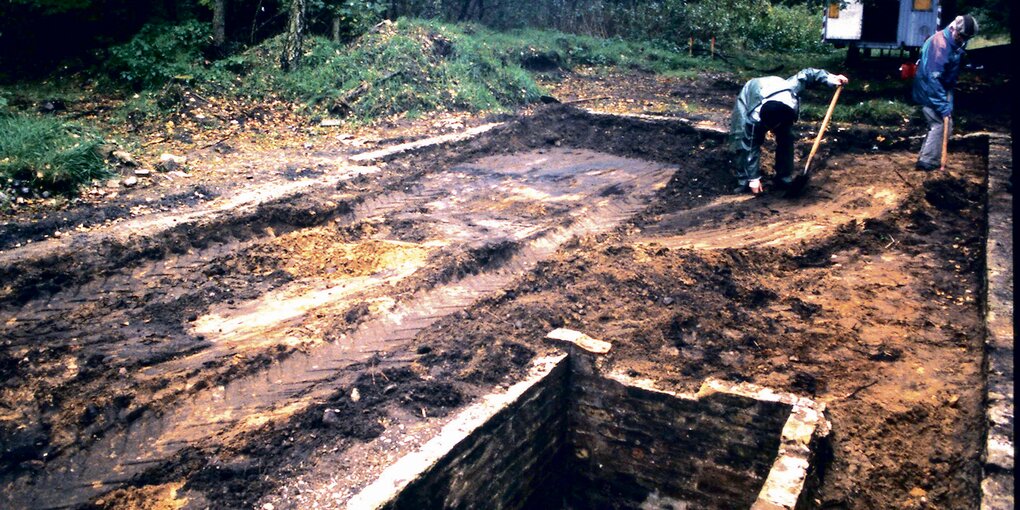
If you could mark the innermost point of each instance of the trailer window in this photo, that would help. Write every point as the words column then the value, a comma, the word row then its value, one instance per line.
column 834, row 9
column 922, row 5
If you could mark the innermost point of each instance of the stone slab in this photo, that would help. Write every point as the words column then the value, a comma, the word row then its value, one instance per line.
column 997, row 485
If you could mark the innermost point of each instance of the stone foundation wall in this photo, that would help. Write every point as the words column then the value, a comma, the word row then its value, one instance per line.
column 997, row 486
column 730, row 445
column 709, row 452
column 572, row 437
column 493, row 456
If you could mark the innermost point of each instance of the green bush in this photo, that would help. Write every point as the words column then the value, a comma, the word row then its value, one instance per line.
column 158, row 53
column 416, row 66
column 788, row 28
column 356, row 16
column 413, row 66
column 406, row 68
column 755, row 24
column 48, row 154
column 729, row 21
column 578, row 50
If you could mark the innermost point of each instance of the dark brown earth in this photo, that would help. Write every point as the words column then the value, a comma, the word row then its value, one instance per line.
column 185, row 366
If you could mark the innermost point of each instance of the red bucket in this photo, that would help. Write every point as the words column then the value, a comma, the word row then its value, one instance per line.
column 907, row 71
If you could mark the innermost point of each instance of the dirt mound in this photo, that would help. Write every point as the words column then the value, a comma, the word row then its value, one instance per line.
column 56, row 223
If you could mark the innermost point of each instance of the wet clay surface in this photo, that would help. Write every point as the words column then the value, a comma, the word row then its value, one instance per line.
column 284, row 357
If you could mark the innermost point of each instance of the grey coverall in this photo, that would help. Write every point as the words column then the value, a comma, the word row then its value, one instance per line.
column 747, row 135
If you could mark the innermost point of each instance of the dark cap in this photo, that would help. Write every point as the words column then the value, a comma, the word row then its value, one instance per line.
column 965, row 26
column 775, row 113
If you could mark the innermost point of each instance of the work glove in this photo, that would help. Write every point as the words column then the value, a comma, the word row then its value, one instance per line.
column 836, row 79
column 947, row 109
column 755, row 186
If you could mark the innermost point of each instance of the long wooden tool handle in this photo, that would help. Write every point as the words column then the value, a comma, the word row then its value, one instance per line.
column 945, row 141
column 821, row 130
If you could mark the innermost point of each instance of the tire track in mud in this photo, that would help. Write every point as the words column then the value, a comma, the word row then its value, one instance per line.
column 537, row 201
column 159, row 282
column 109, row 315
column 77, row 338
column 48, row 267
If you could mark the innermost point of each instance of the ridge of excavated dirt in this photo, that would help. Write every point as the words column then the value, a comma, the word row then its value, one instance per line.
column 863, row 294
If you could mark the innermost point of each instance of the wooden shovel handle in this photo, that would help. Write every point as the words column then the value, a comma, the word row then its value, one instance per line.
column 945, row 141
column 821, row 130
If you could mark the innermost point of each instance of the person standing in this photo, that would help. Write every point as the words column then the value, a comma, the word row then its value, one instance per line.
column 765, row 104
column 937, row 71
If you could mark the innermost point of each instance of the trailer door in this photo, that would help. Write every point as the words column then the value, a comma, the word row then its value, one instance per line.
column 919, row 19
column 881, row 21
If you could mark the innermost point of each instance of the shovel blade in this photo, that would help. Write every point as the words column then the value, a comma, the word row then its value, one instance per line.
column 797, row 186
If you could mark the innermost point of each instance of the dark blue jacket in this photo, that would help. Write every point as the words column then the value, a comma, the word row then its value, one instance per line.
column 937, row 70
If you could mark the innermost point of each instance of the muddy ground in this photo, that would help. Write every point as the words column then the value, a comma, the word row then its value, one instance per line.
column 280, row 354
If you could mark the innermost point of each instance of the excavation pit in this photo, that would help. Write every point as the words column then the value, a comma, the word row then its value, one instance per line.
column 569, row 436
column 447, row 263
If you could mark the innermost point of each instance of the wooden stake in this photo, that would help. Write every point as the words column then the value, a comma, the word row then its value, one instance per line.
column 690, row 47
column 713, row 46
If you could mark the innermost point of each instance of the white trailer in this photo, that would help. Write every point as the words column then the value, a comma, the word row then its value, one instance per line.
column 880, row 24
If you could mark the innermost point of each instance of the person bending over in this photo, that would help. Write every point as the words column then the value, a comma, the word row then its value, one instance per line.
column 770, row 103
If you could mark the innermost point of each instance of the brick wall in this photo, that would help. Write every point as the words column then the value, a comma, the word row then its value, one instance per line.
column 502, row 461
column 571, row 437
column 629, row 444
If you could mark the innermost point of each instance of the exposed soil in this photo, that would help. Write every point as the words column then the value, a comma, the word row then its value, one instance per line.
column 283, row 353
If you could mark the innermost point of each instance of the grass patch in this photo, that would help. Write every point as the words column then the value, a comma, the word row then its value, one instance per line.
column 884, row 112
column 753, row 65
column 397, row 70
column 981, row 41
column 532, row 46
column 138, row 109
column 412, row 67
column 44, row 153
column 401, row 69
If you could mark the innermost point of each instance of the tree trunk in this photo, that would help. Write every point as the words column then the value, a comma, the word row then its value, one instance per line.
column 254, row 24
column 295, row 32
column 219, row 21
column 573, row 13
column 336, row 29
